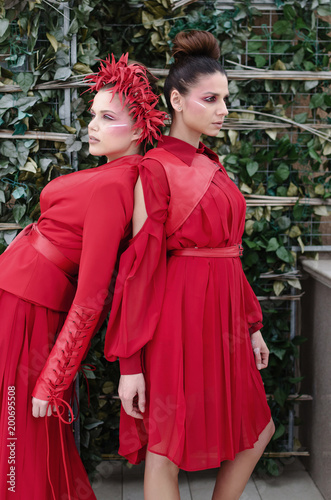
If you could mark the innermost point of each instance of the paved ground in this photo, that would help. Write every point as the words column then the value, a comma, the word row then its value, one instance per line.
column 118, row 482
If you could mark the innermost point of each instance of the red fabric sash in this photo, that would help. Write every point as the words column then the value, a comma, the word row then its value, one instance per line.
column 233, row 251
column 51, row 252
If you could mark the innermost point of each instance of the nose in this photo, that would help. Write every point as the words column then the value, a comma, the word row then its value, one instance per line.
column 93, row 123
column 223, row 110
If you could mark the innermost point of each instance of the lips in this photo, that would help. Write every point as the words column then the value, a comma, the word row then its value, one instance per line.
column 93, row 140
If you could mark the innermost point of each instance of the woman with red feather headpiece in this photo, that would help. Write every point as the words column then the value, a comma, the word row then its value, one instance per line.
column 55, row 289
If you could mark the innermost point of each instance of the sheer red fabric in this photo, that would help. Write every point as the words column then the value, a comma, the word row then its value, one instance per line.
column 206, row 400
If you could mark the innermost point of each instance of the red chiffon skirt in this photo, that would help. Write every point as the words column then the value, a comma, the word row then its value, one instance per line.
column 26, row 337
column 206, row 399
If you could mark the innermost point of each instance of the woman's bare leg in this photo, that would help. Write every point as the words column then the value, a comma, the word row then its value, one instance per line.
column 161, row 478
column 233, row 475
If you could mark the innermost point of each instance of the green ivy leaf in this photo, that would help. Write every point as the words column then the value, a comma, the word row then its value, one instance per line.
column 254, row 44
column 25, row 81
column 282, row 28
column 272, row 245
column 18, row 212
column 25, row 103
column 7, row 148
column 277, row 351
column 260, row 61
column 289, row 12
column 283, row 222
column 309, row 66
column 22, row 152
column 280, row 395
column 272, row 466
column 282, row 173
column 300, row 117
column 92, row 423
column 20, row 128
column 249, row 243
column 231, row 159
column 310, row 84
column 252, row 167
column 284, row 255
column 316, row 101
column 19, row 192
column 321, row 211
column 4, row 25
column 62, row 74
column 298, row 57
column 324, row 11
column 279, row 432
column 298, row 211
column 314, row 155
column 6, row 102
column 278, row 287
column 226, row 47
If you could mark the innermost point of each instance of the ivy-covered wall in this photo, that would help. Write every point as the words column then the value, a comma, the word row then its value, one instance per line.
column 276, row 144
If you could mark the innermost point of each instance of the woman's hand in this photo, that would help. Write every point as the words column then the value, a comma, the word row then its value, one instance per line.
column 131, row 391
column 261, row 352
column 39, row 408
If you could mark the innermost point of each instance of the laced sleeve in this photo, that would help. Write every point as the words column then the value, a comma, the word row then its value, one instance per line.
column 141, row 279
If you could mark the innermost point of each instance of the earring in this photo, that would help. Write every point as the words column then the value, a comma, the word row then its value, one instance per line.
column 179, row 109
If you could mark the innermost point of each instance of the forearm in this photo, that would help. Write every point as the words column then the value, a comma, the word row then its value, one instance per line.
column 64, row 360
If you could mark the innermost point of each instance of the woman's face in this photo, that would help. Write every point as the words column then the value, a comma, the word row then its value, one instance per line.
column 203, row 109
column 110, row 130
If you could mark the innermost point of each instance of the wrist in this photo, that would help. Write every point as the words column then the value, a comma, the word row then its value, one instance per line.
column 131, row 365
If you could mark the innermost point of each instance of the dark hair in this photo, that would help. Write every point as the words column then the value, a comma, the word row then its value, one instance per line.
column 196, row 53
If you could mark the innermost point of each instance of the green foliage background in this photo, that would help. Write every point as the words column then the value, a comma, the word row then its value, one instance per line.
column 33, row 50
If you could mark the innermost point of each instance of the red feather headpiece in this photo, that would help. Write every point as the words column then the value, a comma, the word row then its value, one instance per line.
column 131, row 84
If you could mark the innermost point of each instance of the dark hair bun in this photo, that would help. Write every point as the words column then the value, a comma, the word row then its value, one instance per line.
column 195, row 43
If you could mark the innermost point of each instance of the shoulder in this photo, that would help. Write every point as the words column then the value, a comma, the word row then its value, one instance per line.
column 117, row 176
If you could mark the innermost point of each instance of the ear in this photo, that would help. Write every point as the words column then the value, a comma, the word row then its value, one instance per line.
column 176, row 100
column 136, row 134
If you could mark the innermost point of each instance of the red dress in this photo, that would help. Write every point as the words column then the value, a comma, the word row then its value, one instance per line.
column 191, row 316
column 86, row 215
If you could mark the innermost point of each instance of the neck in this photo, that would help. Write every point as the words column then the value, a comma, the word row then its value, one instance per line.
column 136, row 150
column 178, row 131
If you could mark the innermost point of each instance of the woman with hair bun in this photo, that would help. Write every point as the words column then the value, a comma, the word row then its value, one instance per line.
column 185, row 323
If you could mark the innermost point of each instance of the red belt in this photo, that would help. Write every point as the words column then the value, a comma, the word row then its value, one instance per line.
column 48, row 250
column 234, row 251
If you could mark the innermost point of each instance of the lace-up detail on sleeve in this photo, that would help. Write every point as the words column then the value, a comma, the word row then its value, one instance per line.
column 67, row 353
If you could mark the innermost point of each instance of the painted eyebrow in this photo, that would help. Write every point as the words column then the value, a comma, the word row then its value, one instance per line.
column 106, row 111
column 216, row 94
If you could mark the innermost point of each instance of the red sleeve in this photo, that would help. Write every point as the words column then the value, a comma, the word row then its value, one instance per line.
column 253, row 310
column 107, row 217
column 141, row 279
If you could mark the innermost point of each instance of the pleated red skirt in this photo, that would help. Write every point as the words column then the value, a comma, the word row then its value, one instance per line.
column 205, row 396
column 27, row 334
